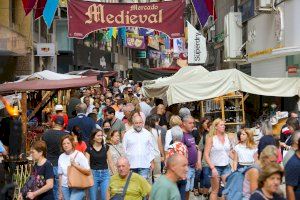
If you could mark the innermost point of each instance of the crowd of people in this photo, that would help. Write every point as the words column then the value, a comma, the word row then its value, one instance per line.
column 137, row 149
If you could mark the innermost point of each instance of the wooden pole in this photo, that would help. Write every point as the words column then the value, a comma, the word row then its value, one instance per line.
column 24, row 119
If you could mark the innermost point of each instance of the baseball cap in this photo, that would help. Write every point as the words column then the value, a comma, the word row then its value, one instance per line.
column 59, row 120
column 58, row 107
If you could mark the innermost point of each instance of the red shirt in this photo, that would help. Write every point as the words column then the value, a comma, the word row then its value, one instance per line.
column 81, row 147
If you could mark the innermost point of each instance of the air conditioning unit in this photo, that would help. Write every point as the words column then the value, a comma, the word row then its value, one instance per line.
column 266, row 5
column 233, row 35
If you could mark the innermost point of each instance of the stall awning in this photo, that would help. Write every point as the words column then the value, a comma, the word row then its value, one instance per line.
column 48, row 84
column 47, row 75
column 195, row 83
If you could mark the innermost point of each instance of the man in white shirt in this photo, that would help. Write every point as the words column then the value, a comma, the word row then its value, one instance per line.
column 145, row 108
column 87, row 93
column 90, row 106
column 139, row 148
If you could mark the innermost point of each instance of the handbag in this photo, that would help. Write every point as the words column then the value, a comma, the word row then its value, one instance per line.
column 76, row 179
column 34, row 183
column 122, row 196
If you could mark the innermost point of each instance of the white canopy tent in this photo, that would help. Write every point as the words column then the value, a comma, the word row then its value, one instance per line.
column 194, row 83
column 48, row 75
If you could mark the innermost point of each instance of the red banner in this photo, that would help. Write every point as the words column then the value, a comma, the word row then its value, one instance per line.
column 85, row 17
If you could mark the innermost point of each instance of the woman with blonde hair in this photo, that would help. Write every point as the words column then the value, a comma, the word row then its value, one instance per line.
column 175, row 120
column 268, row 183
column 217, row 155
column 245, row 153
column 267, row 156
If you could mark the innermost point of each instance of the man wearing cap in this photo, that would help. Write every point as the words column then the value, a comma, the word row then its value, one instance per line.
column 52, row 137
column 59, row 112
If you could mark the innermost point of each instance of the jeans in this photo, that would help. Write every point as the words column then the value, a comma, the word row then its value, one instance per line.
column 197, row 179
column 72, row 193
column 181, row 187
column 55, row 183
column 144, row 172
column 190, row 179
column 101, row 180
column 205, row 177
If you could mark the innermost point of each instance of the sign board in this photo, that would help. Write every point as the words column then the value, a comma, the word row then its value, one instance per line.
column 45, row 49
column 141, row 54
column 135, row 42
column 85, row 17
column 293, row 70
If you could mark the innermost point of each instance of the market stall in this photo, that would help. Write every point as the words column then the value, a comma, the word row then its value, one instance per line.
column 20, row 137
column 195, row 83
column 220, row 92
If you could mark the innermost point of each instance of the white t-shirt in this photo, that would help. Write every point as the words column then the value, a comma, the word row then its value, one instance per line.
column 155, row 135
column 245, row 155
column 64, row 162
column 120, row 115
column 168, row 140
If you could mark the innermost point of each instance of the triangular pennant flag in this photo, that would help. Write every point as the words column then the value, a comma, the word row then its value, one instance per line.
column 109, row 33
column 114, row 32
column 49, row 11
column 39, row 8
column 28, row 5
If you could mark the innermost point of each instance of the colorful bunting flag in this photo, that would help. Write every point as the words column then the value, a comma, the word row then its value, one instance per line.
column 28, row 5
column 204, row 9
column 39, row 8
column 109, row 33
column 49, row 11
column 114, row 32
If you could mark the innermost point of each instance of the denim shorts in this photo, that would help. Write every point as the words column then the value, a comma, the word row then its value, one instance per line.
column 205, row 177
column 223, row 170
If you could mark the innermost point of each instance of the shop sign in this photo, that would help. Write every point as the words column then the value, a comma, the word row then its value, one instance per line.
column 293, row 70
column 154, row 54
column 85, row 17
column 153, row 42
column 141, row 54
column 135, row 42
column 45, row 49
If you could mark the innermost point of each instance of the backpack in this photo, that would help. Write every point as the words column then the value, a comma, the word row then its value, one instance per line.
column 234, row 184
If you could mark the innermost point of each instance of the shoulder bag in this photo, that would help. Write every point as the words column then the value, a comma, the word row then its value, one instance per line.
column 76, row 179
column 122, row 196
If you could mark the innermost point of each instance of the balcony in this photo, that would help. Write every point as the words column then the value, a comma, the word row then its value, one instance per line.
column 11, row 43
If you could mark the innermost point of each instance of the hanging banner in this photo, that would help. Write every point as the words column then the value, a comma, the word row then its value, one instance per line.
column 135, row 42
column 197, row 52
column 153, row 42
column 85, row 17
